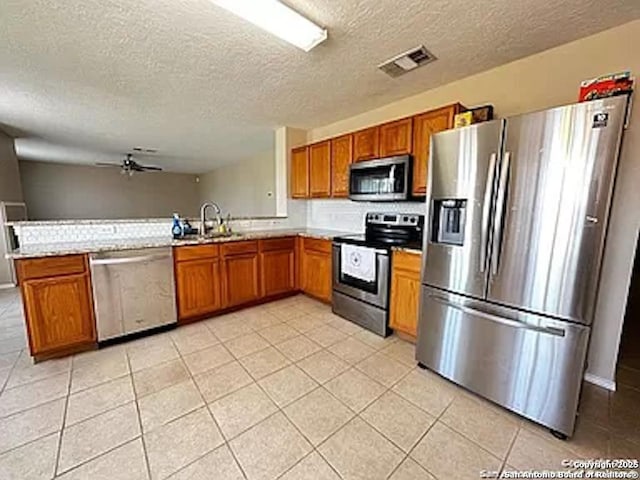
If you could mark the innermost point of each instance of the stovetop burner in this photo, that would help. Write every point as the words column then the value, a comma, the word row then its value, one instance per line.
column 386, row 230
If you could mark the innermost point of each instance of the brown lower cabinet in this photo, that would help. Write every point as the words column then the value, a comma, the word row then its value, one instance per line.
column 213, row 278
column 198, row 287
column 315, row 268
column 58, row 304
column 198, row 284
column 405, row 292
column 277, row 266
column 240, row 273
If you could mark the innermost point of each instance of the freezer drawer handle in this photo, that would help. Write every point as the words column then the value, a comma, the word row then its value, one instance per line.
column 558, row 332
column 121, row 261
column 502, row 194
column 486, row 210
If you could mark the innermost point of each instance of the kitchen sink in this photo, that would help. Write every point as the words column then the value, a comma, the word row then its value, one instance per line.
column 211, row 235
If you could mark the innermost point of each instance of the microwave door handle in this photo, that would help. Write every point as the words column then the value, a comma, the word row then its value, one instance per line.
column 486, row 212
column 499, row 214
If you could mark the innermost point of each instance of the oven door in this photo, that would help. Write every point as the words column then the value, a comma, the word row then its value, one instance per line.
column 376, row 292
column 385, row 179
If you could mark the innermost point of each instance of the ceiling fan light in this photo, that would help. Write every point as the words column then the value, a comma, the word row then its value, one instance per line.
column 278, row 19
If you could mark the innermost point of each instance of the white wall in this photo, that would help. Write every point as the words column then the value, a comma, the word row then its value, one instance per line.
column 56, row 191
column 244, row 189
column 537, row 82
column 10, row 189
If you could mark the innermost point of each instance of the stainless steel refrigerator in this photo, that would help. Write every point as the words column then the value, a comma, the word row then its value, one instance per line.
column 518, row 212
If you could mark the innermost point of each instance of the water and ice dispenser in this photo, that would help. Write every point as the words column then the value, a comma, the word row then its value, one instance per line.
column 448, row 221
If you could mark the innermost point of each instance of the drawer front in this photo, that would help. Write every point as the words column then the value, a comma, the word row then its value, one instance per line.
column 195, row 252
column 407, row 261
column 317, row 245
column 239, row 248
column 273, row 244
column 51, row 266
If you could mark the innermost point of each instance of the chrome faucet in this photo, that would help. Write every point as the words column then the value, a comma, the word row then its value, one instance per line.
column 203, row 216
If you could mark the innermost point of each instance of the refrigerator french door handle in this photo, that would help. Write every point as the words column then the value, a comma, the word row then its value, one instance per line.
column 486, row 212
column 499, row 213
column 558, row 332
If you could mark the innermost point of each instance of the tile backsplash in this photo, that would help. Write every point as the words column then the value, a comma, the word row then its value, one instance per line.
column 340, row 215
column 348, row 216
column 69, row 232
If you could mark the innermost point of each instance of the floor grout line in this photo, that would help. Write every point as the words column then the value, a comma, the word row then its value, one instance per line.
column 279, row 409
column 64, row 421
column 135, row 396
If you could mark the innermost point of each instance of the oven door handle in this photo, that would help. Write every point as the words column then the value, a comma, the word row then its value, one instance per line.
column 378, row 251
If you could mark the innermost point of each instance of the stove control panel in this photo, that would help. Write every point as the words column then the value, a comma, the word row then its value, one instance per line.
column 395, row 219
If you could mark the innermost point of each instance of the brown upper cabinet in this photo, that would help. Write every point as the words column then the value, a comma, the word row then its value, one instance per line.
column 341, row 159
column 396, row 137
column 424, row 125
column 366, row 144
column 320, row 169
column 300, row 172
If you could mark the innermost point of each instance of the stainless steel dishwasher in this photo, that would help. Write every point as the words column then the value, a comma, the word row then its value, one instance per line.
column 133, row 291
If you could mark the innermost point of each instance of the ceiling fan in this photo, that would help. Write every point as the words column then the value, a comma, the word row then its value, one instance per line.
column 129, row 166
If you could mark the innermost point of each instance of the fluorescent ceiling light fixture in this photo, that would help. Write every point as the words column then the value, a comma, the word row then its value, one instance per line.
column 278, row 19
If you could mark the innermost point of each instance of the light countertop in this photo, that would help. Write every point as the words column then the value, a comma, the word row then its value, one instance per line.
column 55, row 249
column 417, row 251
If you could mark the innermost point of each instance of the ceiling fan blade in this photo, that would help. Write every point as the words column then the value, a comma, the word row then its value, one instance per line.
column 151, row 168
column 108, row 164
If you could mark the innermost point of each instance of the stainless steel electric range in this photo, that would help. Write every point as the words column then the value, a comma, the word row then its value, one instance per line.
column 362, row 267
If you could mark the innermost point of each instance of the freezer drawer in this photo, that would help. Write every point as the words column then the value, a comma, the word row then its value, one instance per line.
column 529, row 364
column 133, row 291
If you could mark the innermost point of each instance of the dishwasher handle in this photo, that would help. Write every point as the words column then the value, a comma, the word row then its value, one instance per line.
column 124, row 260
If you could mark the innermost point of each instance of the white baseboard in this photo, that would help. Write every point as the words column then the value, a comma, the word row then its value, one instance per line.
column 601, row 382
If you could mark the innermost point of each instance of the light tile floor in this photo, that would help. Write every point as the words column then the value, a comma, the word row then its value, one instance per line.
column 285, row 390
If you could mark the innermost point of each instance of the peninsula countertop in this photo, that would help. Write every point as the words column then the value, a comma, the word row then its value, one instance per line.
column 70, row 248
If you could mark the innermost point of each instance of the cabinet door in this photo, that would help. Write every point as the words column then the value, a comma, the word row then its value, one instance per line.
column 396, row 137
column 341, row 158
column 300, row 172
column 198, row 285
column 365, row 144
column 277, row 272
column 316, row 274
column 405, row 293
column 320, row 168
column 59, row 312
column 240, row 279
column 424, row 125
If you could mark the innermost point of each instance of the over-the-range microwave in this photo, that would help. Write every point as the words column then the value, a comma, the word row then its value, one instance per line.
column 382, row 180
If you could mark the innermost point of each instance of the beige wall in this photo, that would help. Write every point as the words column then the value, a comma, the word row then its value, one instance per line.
column 243, row 189
column 59, row 191
column 544, row 80
column 533, row 83
column 10, row 189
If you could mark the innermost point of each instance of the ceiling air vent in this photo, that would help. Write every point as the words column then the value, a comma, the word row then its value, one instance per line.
column 149, row 151
column 407, row 61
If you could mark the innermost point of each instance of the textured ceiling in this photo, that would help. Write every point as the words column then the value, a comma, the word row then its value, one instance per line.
column 206, row 88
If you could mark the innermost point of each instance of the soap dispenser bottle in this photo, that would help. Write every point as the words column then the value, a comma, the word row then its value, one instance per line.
column 177, row 229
